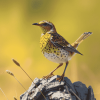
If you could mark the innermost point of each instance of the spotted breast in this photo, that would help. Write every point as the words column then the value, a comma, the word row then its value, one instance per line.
column 50, row 51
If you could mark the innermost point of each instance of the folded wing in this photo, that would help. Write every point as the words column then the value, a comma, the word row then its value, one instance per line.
column 60, row 42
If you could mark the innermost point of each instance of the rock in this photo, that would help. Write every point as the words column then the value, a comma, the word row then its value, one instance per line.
column 37, row 93
column 53, row 79
column 24, row 96
column 90, row 94
column 44, row 82
column 35, row 83
column 54, row 90
column 31, row 89
column 54, row 86
column 69, row 84
column 60, row 96
column 81, row 90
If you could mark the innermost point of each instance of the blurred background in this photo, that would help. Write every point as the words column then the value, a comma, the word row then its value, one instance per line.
column 20, row 40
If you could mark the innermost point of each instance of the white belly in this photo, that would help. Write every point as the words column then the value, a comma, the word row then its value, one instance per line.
column 61, row 58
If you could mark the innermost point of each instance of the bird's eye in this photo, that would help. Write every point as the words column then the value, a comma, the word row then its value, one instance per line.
column 45, row 24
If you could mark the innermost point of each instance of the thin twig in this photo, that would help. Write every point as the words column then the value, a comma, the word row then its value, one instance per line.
column 3, row 93
column 67, row 90
column 75, row 94
column 20, row 83
column 9, row 72
column 15, row 98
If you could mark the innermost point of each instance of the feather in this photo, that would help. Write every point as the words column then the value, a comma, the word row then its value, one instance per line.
column 60, row 42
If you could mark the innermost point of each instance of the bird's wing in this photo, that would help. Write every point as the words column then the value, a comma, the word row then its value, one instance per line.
column 60, row 42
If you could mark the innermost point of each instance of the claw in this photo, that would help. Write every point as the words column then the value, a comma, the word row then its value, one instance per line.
column 48, row 76
column 61, row 78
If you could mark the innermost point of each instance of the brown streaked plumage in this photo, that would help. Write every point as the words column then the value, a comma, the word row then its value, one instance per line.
column 55, row 48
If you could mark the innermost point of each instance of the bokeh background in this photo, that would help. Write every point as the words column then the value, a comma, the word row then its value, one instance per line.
column 20, row 40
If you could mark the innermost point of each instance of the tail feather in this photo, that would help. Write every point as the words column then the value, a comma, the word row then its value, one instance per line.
column 81, row 38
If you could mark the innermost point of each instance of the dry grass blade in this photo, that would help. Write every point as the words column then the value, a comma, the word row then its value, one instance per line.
column 3, row 93
column 67, row 90
column 75, row 94
column 27, row 75
column 20, row 83
column 9, row 72
column 15, row 62
column 15, row 98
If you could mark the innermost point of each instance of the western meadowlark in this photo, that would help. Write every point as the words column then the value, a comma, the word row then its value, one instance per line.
column 55, row 48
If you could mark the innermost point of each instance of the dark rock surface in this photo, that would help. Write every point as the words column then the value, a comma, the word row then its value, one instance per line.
column 90, row 94
column 55, row 90
column 81, row 90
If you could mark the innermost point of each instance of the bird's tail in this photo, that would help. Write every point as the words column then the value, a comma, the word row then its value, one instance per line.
column 81, row 38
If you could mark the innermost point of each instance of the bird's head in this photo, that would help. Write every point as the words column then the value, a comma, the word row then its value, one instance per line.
column 46, row 26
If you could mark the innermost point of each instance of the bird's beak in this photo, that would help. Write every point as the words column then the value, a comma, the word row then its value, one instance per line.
column 36, row 24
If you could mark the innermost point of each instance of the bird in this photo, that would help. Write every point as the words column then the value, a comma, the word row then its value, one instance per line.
column 57, row 49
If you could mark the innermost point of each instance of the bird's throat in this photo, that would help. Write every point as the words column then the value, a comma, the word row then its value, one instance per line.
column 44, row 30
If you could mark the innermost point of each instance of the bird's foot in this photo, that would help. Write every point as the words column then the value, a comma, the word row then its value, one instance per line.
column 61, row 78
column 48, row 76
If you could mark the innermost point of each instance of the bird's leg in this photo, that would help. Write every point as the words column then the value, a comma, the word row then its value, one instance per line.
column 61, row 78
column 51, row 73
